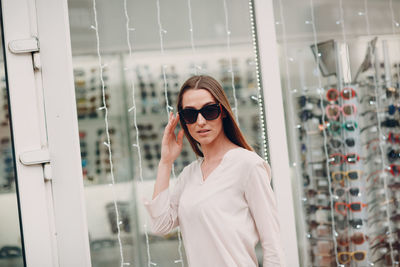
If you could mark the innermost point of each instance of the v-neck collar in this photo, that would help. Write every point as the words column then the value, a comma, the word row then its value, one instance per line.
column 202, row 181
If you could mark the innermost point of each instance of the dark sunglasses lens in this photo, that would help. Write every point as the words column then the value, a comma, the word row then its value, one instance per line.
column 354, row 191
column 210, row 112
column 357, row 238
column 352, row 158
column 334, row 126
column 344, row 258
column 350, row 126
column 340, row 192
column 302, row 101
column 332, row 94
column 395, row 169
column 353, row 175
column 336, row 143
column 391, row 109
column 348, row 93
column 357, row 223
column 338, row 176
column 355, row 206
column 350, row 142
column 359, row 256
column 349, row 109
column 336, row 159
column 189, row 115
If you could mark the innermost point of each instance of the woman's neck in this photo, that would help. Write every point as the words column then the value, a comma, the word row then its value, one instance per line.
column 216, row 150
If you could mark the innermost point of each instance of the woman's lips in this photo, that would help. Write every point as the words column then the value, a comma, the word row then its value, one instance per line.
column 203, row 132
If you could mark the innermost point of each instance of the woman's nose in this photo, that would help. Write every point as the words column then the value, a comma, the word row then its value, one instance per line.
column 200, row 119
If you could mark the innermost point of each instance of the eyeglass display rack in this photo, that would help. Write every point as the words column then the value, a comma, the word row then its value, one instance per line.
column 348, row 139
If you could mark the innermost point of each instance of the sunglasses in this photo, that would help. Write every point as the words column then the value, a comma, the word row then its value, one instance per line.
column 392, row 109
column 394, row 169
column 342, row 207
column 337, row 158
column 341, row 175
column 390, row 123
column 307, row 114
column 333, row 111
column 353, row 191
column 346, row 257
column 209, row 112
column 393, row 155
column 335, row 127
column 347, row 93
column 355, row 223
column 393, row 138
column 357, row 238
column 337, row 143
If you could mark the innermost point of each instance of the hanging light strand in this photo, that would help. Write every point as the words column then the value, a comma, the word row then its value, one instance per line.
column 108, row 143
column 320, row 91
column 168, row 108
column 134, row 110
column 259, row 95
column 231, row 71
column 191, row 30
column 375, row 77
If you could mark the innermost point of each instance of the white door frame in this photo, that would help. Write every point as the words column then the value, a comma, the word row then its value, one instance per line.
column 53, row 210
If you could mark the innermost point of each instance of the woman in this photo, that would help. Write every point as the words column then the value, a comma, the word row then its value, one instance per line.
column 222, row 201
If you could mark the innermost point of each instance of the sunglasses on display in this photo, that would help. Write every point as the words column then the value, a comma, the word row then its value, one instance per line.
column 394, row 169
column 355, row 223
column 302, row 100
column 337, row 158
column 353, row 191
column 390, row 123
column 335, row 127
column 313, row 208
column 393, row 138
column 342, row 207
column 345, row 257
column 333, row 111
column 357, row 239
column 307, row 114
column 337, row 143
column 209, row 112
column 392, row 92
column 392, row 109
column 352, row 175
column 347, row 93
column 393, row 155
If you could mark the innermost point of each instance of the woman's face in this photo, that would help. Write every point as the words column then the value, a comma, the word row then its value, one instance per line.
column 203, row 131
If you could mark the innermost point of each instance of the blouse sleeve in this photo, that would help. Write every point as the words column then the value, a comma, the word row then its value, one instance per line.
column 261, row 201
column 163, row 209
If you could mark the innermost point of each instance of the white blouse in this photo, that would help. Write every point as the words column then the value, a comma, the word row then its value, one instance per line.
column 223, row 217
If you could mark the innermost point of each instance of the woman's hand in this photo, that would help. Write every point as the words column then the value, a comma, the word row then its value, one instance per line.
column 171, row 146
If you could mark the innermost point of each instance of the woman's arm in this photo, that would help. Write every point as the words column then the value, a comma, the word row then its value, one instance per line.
column 262, row 204
column 163, row 208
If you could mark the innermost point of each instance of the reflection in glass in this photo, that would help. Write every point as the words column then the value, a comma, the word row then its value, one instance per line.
column 11, row 252
column 144, row 78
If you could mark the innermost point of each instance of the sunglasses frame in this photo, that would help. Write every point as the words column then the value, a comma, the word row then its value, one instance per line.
column 342, row 126
column 343, row 158
column 346, row 175
column 340, row 110
column 348, row 206
column 341, row 93
column 351, row 238
column 182, row 117
column 351, row 256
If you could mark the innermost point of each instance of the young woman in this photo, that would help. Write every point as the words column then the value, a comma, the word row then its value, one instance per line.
column 223, row 201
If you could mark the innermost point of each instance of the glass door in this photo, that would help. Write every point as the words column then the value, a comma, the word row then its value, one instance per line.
column 11, row 241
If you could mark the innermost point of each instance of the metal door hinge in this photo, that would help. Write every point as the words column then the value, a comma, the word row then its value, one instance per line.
column 24, row 45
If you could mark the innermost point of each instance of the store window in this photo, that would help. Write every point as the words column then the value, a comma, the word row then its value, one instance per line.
column 130, row 59
column 11, row 244
column 339, row 65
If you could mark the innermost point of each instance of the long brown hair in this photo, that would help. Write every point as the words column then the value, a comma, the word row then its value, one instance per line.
column 230, row 126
